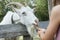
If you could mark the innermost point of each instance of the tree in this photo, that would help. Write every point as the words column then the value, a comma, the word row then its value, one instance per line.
column 42, row 10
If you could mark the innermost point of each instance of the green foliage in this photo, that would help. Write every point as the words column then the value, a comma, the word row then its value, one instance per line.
column 42, row 10
column 2, row 3
column 3, row 10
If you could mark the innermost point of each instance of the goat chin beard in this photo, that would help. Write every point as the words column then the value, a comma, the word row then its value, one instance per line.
column 32, row 30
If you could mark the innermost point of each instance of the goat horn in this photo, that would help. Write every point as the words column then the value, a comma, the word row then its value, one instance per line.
column 14, row 3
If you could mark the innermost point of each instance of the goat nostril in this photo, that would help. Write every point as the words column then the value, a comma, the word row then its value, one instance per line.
column 36, row 22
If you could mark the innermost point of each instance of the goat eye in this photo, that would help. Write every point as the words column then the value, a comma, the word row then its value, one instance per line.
column 24, row 13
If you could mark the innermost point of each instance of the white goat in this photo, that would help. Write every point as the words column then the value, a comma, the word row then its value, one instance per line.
column 24, row 15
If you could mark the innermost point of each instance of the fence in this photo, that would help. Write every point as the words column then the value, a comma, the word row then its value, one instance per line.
column 13, row 30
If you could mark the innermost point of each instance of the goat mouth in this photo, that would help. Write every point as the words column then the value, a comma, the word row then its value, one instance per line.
column 35, row 25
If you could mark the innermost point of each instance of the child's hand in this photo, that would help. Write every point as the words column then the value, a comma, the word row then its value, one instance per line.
column 41, row 32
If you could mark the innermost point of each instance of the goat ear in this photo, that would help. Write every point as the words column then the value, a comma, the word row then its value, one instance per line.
column 16, row 17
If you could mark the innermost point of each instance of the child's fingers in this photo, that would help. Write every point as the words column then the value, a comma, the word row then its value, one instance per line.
column 41, row 31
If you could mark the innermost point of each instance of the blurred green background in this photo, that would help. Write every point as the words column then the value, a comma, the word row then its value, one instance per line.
column 41, row 8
